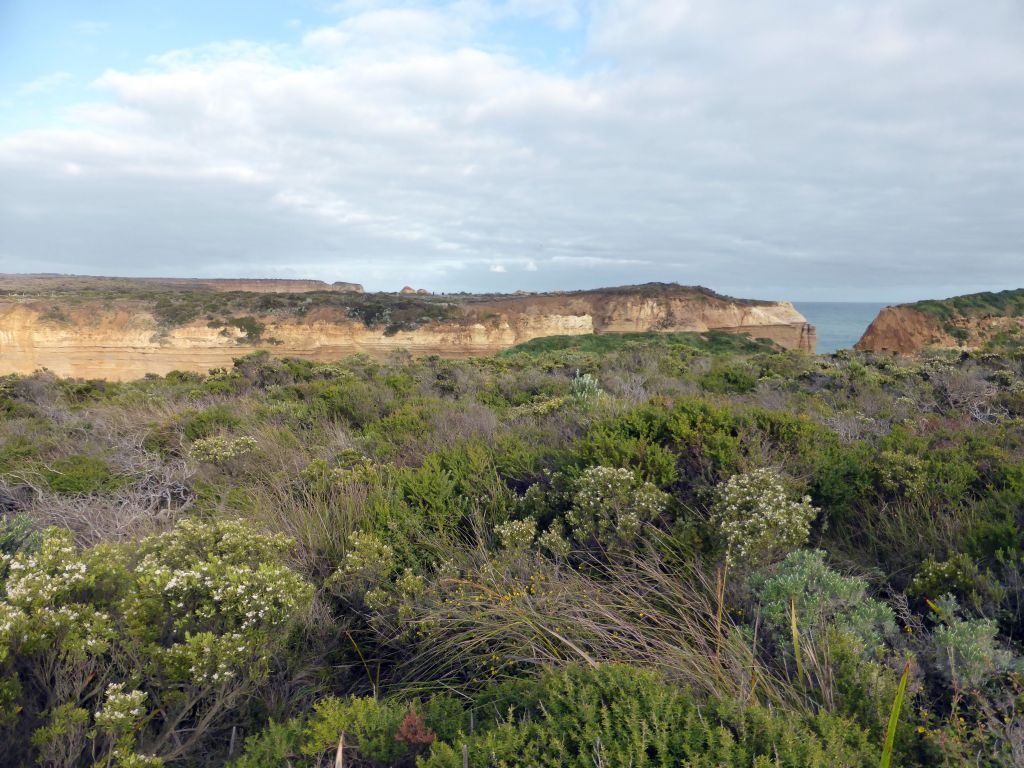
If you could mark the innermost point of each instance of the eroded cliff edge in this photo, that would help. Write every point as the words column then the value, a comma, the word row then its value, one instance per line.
column 972, row 322
column 125, row 333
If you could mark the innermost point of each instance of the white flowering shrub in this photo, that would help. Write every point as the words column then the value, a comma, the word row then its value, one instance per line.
column 757, row 518
column 554, row 543
column 119, row 719
column 611, row 506
column 516, row 536
column 160, row 639
column 219, row 450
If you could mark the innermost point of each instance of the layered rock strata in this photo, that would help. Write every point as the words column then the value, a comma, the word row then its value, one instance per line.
column 124, row 340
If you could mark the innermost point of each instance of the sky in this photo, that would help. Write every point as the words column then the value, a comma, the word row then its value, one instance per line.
column 863, row 150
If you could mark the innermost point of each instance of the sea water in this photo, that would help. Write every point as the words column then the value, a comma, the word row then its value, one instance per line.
column 839, row 323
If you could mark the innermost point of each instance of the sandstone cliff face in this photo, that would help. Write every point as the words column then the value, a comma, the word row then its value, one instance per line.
column 124, row 341
column 904, row 330
column 617, row 312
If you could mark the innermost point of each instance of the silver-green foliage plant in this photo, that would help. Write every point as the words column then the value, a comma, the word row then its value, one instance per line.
column 611, row 506
column 822, row 598
column 151, row 645
column 967, row 651
column 758, row 519
column 584, row 390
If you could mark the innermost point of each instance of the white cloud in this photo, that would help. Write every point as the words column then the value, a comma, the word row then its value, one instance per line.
column 91, row 28
column 500, row 268
column 44, row 84
column 564, row 14
column 791, row 149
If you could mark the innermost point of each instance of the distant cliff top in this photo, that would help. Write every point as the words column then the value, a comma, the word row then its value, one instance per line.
column 991, row 321
column 32, row 285
column 642, row 290
column 987, row 304
column 121, row 328
column 53, row 282
column 173, row 303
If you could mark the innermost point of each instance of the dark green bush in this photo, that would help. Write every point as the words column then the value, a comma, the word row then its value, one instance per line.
column 618, row 715
column 728, row 379
column 210, row 422
column 83, row 475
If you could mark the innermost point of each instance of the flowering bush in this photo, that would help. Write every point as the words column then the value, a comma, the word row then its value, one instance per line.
column 611, row 506
column 119, row 719
column 166, row 637
column 516, row 535
column 218, row 450
column 757, row 518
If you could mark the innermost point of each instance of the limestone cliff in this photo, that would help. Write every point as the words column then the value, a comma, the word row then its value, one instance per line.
column 971, row 322
column 128, row 337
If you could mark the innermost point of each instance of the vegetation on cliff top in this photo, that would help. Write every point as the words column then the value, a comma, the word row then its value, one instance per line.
column 1001, row 304
column 174, row 305
column 712, row 342
column 650, row 551
column 955, row 315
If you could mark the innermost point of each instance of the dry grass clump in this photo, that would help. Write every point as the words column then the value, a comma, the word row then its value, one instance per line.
column 638, row 611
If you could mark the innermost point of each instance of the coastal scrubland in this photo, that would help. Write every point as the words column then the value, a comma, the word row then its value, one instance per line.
column 618, row 550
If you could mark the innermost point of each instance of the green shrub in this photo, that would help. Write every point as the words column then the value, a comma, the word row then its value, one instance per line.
column 618, row 715
column 713, row 342
column 251, row 328
column 17, row 532
column 209, row 422
column 728, row 379
column 902, row 474
column 17, row 451
column 638, row 439
column 967, row 651
column 81, row 475
column 373, row 729
column 959, row 576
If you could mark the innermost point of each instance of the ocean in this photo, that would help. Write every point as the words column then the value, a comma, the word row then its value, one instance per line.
column 839, row 323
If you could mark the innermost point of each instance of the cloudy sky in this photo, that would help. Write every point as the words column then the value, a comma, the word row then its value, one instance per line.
column 801, row 149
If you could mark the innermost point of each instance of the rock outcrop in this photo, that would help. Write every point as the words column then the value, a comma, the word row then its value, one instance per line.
column 126, row 339
column 968, row 323
column 903, row 331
